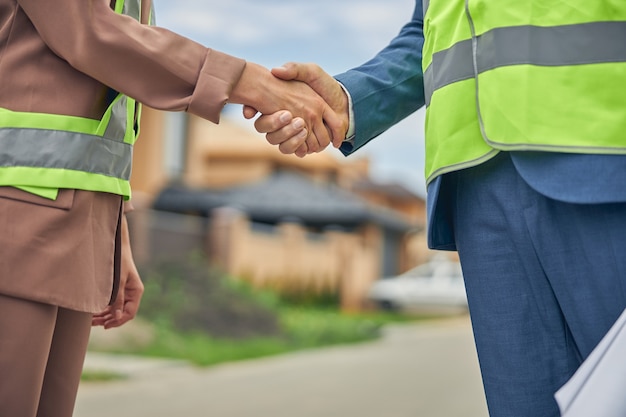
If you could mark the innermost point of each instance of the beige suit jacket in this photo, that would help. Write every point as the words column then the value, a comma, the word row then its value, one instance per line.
column 61, row 57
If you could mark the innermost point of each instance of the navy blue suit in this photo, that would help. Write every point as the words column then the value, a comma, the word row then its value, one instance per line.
column 541, row 238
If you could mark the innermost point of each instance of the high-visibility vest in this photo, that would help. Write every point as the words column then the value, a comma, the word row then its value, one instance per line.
column 504, row 75
column 60, row 151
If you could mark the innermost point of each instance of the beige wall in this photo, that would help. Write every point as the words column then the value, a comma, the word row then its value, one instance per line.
column 291, row 261
column 148, row 175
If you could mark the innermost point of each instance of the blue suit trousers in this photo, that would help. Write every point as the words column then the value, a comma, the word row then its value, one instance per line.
column 545, row 281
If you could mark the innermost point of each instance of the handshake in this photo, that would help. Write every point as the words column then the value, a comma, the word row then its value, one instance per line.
column 303, row 109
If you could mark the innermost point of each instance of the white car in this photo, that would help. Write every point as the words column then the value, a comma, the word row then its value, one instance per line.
column 436, row 286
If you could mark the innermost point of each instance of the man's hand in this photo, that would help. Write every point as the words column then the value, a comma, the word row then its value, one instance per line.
column 268, row 94
column 125, row 306
column 280, row 129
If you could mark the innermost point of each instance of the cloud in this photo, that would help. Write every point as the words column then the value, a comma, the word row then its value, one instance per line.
column 337, row 34
column 242, row 22
column 250, row 22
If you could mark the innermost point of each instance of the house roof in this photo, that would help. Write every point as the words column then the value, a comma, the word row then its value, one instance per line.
column 284, row 195
column 393, row 190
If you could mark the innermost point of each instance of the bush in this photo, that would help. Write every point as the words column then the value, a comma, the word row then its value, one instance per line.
column 192, row 297
column 201, row 316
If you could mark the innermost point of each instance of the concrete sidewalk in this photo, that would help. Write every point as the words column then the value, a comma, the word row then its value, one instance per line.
column 427, row 369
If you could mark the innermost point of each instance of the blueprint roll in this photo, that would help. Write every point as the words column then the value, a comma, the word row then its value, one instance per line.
column 598, row 388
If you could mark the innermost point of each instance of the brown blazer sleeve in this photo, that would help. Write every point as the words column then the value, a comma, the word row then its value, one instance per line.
column 153, row 65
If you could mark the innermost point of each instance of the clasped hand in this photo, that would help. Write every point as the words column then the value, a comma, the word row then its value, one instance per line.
column 310, row 129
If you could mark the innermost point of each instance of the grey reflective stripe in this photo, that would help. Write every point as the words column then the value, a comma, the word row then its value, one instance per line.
column 132, row 8
column 453, row 64
column 66, row 150
column 425, row 4
column 585, row 43
column 116, row 128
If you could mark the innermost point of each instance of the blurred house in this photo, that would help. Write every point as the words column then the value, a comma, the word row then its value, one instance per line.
column 319, row 224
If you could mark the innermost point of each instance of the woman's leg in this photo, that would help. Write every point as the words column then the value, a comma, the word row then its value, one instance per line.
column 65, row 364
column 42, row 350
column 26, row 333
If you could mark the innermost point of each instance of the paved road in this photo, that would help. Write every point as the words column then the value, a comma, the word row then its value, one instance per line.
column 423, row 370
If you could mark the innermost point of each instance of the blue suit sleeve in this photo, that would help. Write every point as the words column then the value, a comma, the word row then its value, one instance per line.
column 389, row 87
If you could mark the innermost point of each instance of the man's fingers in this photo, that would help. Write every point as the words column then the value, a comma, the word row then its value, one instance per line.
column 302, row 151
column 296, row 71
column 337, row 129
column 322, row 137
column 323, row 124
column 289, row 71
column 307, row 73
column 291, row 144
column 330, row 91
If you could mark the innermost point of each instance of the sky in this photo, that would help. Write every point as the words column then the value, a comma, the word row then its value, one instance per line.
column 336, row 34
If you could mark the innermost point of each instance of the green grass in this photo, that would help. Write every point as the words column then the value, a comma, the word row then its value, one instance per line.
column 101, row 376
column 204, row 318
column 303, row 328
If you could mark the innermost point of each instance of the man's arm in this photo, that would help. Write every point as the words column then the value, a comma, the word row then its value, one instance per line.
column 389, row 87
column 383, row 91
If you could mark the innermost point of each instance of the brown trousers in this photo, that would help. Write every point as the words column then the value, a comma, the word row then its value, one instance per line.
column 42, row 350
column 58, row 265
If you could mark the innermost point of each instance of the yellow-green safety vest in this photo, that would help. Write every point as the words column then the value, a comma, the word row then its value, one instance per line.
column 544, row 75
column 60, row 151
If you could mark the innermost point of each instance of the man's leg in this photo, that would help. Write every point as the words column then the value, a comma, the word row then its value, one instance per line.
column 538, row 299
column 26, row 331
column 581, row 248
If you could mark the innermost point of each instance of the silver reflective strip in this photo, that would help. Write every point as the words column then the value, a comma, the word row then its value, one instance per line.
column 116, row 128
column 586, row 43
column 66, row 150
column 132, row 8
column 452, row 65
column 425, row 4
